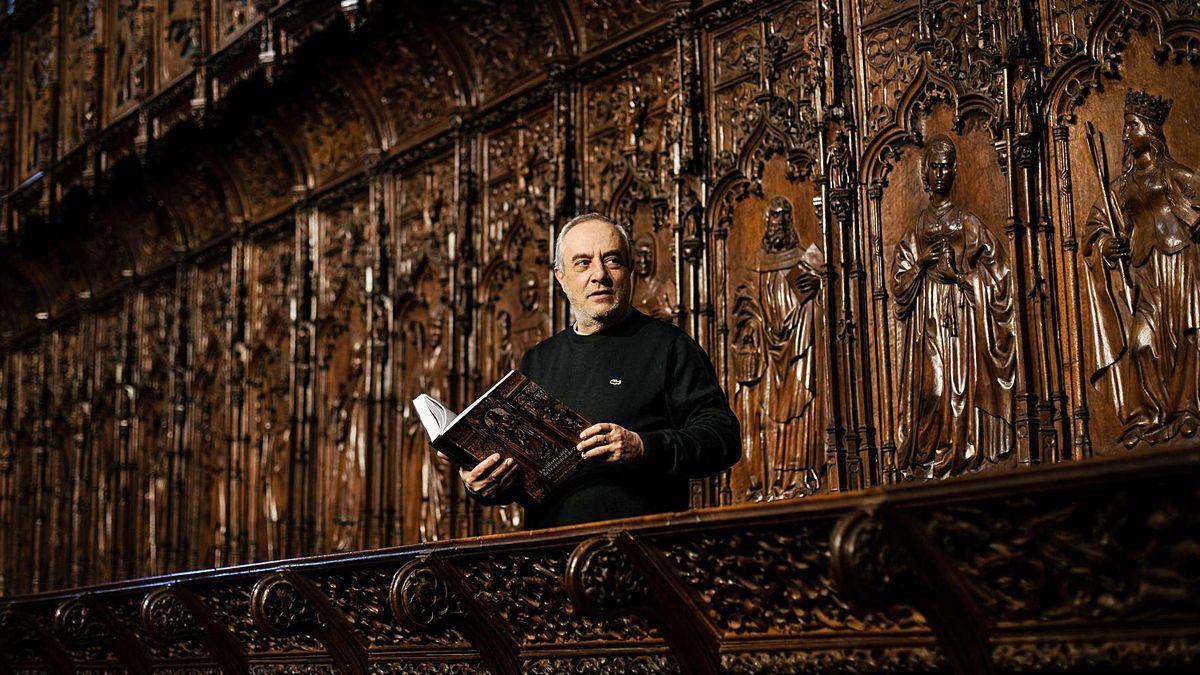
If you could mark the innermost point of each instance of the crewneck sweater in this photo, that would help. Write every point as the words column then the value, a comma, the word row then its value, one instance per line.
column 650, row 377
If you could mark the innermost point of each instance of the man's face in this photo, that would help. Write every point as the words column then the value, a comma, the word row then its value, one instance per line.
column 594, row 273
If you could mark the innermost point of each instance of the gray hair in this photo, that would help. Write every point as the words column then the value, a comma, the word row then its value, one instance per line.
column 626, row 244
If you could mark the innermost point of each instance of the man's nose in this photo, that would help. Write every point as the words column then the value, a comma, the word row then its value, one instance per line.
column 600, row 273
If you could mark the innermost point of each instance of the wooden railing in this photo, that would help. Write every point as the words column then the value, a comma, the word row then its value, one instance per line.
column 1072, row 568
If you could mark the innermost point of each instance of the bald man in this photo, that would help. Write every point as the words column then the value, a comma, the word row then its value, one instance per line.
column 663, row 416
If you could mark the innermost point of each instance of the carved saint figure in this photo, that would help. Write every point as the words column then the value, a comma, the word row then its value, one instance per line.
column 776, row 323
column 653, row 295
column 1143, row 283
column 533, row 323
column 957, row 366
column 427, row 341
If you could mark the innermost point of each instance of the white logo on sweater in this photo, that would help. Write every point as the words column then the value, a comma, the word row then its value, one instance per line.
column 615, row 382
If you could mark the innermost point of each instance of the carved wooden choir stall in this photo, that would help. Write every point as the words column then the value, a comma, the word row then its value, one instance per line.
column 944, row 256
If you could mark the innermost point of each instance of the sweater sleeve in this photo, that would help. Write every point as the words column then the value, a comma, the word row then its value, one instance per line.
column 706, row 436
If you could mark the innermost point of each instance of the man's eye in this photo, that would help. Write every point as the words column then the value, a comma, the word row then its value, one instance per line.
column 612, row 261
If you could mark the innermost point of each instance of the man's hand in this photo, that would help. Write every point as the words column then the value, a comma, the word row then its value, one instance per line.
column 489, row 476
column 613, row 442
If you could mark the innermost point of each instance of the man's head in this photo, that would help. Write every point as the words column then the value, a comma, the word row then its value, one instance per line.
column 778, row 233
column 591, row 262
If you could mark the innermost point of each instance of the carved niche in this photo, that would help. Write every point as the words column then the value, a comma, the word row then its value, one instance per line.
column 126, row 56
column 269, row 349
column 37, row 105
column 178, row 38
column 424, row 321
column 344, row 254
column 767, row 239
column 215, row 505
column 232, row 18
column 514, row 286
column 1131, row 244
column 76, row 107
column 157, row 335
column 950, row 322
column 8, row 59
column 628, row 172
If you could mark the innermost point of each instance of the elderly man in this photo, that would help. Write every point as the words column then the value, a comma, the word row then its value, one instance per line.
column 663, row 417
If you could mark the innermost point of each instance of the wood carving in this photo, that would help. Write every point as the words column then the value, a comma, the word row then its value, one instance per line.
column 238, row 236
column 950, row 278
column 1146, row 356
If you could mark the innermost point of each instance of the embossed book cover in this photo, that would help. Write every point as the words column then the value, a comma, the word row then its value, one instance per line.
column 517, row 419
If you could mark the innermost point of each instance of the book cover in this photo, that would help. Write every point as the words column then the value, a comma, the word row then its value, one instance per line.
column 517, row 419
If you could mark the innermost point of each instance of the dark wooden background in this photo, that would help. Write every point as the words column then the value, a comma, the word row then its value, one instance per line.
column 238, row 238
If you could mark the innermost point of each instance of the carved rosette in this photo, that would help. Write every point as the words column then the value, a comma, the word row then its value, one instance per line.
column 164, row 616
column 864, row 565
column 78, row 624
column 600, row 578
column 279, row 607
column 421, row 598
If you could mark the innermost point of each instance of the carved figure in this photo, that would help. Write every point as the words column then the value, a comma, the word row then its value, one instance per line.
column 653, row 295
column 957, row 366
column 1147, row 353
column 533, row 323
column 426, row 341
column 775, row 350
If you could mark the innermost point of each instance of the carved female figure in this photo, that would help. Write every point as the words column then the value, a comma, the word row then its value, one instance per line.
column 952, row 292
column 1145, row 330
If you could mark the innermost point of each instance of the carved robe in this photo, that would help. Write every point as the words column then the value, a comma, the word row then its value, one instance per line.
column 1148, row 359
column 785, row 323
column 958, row 359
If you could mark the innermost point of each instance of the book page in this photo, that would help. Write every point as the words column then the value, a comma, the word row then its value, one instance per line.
column 476, row 401
column 434, row 416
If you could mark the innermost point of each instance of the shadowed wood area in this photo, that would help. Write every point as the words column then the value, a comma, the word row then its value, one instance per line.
column 943, row 254
column 1080, row 568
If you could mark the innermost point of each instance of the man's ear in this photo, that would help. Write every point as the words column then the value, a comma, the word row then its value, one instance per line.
column 558, row 275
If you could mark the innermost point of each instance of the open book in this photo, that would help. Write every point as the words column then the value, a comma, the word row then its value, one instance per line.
column 517, row 419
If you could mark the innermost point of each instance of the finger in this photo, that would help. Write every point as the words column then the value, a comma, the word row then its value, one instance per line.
column 593, row 430
column 501, row 469
column 592, row 442
column 600, row 451
column 484, row 466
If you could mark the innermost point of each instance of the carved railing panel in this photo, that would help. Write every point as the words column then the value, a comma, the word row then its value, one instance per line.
column 1076, row 568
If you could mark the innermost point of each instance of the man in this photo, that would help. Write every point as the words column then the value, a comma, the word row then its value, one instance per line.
column 663, row 417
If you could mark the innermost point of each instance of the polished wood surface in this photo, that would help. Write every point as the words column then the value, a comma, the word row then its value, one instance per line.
column 239, row 236
column 1084, row 567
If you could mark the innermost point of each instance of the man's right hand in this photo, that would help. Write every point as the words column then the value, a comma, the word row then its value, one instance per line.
column 490, row 476
column 1114, row 249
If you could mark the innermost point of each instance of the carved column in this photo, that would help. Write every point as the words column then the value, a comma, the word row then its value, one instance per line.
column 564, row 190
column 302, row 476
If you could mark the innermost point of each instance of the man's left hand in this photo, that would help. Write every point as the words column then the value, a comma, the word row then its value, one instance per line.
column 612, row 442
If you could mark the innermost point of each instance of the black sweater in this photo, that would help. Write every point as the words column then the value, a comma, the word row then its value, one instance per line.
column 651, row 378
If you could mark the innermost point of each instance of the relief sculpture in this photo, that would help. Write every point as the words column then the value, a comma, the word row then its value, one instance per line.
column 775, row 347
column 653, row 295
column 951, row 282
column 1143, row 283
